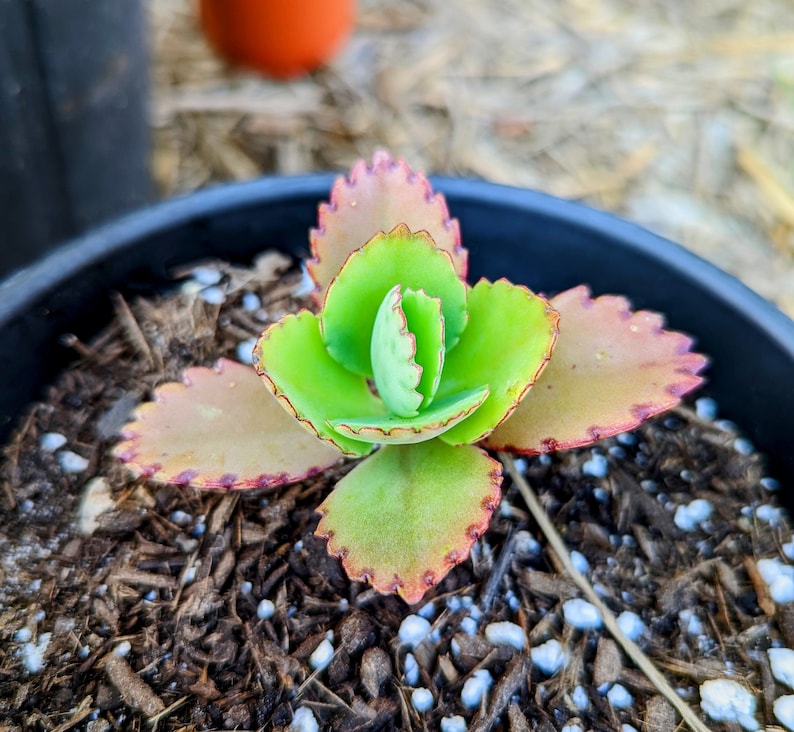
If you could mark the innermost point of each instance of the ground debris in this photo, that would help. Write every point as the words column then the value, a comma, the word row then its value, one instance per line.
column 376, row 670
column 659, row 716
column 202, row 610
column 136, row 693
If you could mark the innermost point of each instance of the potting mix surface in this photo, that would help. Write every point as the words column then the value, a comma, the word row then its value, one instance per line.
column 130, row 605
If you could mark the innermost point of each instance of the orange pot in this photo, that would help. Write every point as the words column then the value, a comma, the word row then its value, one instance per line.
column 282, row 38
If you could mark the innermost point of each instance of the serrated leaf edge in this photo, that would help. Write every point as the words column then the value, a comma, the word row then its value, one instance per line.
column 381, row 159
column 692, row 364
column 396, row 584
column 284, row 400
column 127, row 452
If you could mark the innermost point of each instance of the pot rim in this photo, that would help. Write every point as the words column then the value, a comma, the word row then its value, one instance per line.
column 26, row 287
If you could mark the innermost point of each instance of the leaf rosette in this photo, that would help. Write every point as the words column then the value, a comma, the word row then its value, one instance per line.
column 407, row 361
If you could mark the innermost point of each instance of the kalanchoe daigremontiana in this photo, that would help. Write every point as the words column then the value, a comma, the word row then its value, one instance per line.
column 406, row 363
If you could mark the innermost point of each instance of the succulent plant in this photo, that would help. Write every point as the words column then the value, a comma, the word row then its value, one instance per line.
column 406, row 365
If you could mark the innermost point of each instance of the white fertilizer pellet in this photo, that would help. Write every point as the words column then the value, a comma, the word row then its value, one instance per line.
column 413, row 630
column 411, row 676
column 619, row 697
column 689, row 517
column 71, row 462
column 322, row 655
column 581, row 614
column 549, row 657
column 245, row 351
column 779, row 578
column 304, row 721
column 265, row 609
column 422, row 700
column 475, row 688
column 33, row 653
column 784, row 711
column 453, row 724
column 580, row 562
column 52, row 441
column 728, row 701
column 596, row 467
column 781, row 660
column 631, row 624
column 506, row 633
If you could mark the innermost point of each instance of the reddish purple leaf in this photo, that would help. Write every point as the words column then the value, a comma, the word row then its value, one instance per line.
column 610, row 371
column 373, row 199
column 222, row 429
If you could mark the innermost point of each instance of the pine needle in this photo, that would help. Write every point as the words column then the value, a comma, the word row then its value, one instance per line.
column 631, row 649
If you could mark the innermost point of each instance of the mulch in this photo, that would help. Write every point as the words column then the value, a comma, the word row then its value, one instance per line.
column 148, row 617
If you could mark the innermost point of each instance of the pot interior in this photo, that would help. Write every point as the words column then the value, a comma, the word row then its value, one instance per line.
column 530, row 238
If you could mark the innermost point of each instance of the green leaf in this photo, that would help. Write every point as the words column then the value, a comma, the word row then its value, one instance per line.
column 440, row 416
column 612, row 369
column 353, row 298
column 291, row 357
column 376, row 198
column 425, row 321
column 405, row 516
column 508, row 340
column 393, row 347
column 222, row 429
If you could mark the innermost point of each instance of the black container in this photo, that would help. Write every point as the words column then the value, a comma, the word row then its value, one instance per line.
column 528, row 237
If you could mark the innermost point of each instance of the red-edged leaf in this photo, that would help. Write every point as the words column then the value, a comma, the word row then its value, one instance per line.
column 400, row 257
column 376, row 198
column 406, row 515
column 296, row 367
column 221, row 429
column 610, row 371
column 506, row 345
column 440, row 416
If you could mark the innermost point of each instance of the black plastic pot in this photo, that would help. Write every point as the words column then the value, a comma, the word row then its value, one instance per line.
column 528, row 237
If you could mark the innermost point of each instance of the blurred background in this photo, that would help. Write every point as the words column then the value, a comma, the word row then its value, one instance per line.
column 676, row 115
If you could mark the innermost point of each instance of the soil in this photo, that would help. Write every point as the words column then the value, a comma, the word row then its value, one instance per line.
column 147, row 615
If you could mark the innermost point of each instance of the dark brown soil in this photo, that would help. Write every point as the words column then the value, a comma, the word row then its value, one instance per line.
column 152, row 615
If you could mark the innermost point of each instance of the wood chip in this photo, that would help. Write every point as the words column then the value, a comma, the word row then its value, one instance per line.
column 133, row 690
column 550, row 585
column 376, row 670
column 129, row 576
column 765, row 601
column 518, row 722
column 659, row 716
column 221, row 513
column 608, row 663
column 515, row 676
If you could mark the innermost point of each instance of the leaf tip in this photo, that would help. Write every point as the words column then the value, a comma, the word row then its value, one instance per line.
column 374, row 197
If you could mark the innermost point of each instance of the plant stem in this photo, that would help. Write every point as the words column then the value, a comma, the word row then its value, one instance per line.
column 630, row 648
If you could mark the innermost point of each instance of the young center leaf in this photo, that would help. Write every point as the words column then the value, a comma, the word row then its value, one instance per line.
column 376, row 198
column 612, row 369
column 393, row 352
column 220, row 429
column 425, row 319
column 407, row 350
column 405, row 516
